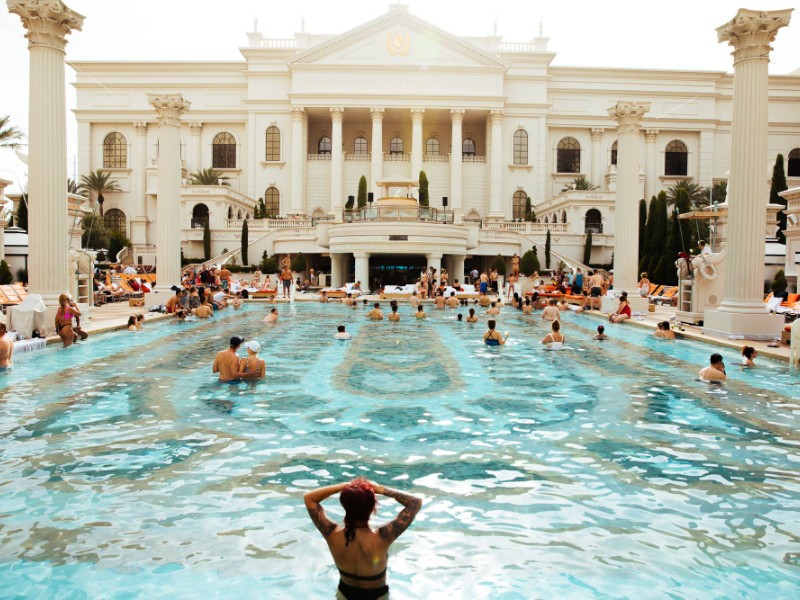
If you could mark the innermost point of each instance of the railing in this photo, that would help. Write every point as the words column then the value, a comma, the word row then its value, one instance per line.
column 498, row 235
column 269, row 223
column 198, row 223
column 593, row 228
column 436, row 158
column 298, row 232
column 396, row 157
column 360, row 156
column 473, row 159
column 398, row 213
column 326, row 156
column 517, row 47
column 279, row 43
column 528, row 227
column 205, row 190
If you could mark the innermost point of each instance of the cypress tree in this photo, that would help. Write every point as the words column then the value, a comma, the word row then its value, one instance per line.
column 424, row 199
column 245, row 243
column 22, row 212
column 659, row 239
column 547, row 251
column 5, row 273
column 528, row 210
column 587, row 248
column 778, row 185
column 362, row 192
column 642, row 226
column 206, row 240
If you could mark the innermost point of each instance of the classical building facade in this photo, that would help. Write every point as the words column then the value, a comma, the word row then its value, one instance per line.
column 299, row 121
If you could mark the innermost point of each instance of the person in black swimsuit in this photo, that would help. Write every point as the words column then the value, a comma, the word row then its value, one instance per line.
column 359, row 551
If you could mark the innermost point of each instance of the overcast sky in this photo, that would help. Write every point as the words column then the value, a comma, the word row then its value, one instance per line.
column 608, row 33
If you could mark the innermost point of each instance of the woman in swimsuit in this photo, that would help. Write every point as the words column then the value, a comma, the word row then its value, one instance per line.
column 555, row 339
column 359, row 551
column 64, row 316
column 623, row 311
column 492, row 337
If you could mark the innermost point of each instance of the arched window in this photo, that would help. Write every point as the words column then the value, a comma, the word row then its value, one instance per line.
column 238, row 214
column 520, row 200
column 223, row 151
column 114, row 219
column 676, row 159
column 563, row 216
column 468, row 147
column 568, row 156
column 520, row 147
column 396, row 146
column 594, row 221
column 199, row 215
column 230, row 212
column 272, row 200
column 324, row 145
column 273, row 144
column 360, row 146
column 614, row 153
column 115, row 151
column 432, row 147
column 473, row 215
column 793, row 164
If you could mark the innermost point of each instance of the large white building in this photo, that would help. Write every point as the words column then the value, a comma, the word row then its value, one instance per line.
column 298, row 121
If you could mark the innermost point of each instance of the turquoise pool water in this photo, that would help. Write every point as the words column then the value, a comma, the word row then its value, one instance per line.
column 605, row 471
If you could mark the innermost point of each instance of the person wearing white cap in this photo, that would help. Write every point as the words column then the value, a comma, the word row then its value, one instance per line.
column 251, row 366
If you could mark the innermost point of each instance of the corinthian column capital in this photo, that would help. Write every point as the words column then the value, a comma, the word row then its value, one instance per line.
column 298, row 114
column 597, row 133
column 169, row 107
column 496, row 117
column 195, row 128
column 751, row 32
column 650, row 136
column 376, row 114
column 337, row 113
column 628, row 115
column 140, row 127
column 48, row 21
column 457, row 115
column 417, row 115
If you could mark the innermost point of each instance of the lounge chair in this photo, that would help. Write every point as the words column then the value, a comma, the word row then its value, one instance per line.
column 668, row 296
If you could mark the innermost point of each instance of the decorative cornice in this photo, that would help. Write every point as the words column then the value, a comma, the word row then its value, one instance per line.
column 298, row 114
column 337, row 114
column 417, row 115
column 628, row 115
column 457, row 115
column 650, row 135
column 140, row 127
column 597, row 133
column 750, row 32
column 376, row 114
column 48, row 21
column 169, row 107
column 196, row 128
column 496, row 117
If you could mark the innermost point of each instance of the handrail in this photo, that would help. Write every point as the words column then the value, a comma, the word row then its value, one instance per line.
column 570, row 262
column 398, row 213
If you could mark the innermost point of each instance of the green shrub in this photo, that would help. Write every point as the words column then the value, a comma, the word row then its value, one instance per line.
column 22, row 275
column 499, row 265
column 529, row 263
column 5, row 273
column 779, row 284
column 298, row 263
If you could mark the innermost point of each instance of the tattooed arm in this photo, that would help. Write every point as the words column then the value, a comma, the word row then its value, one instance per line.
column 411, row 505
column 315, row 510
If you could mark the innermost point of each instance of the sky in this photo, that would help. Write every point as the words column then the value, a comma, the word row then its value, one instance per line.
column 678, row 34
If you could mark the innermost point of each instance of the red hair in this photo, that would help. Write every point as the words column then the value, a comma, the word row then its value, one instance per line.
column 359, row 503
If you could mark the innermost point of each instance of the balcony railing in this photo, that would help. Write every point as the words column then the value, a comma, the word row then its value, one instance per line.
column 398, row 213
column 326, row 156
column 594, row 228
column 436, row 158
column 360, row 156
column 528, row 227
column 473, row 159
column 396, row 157
column 198, row 223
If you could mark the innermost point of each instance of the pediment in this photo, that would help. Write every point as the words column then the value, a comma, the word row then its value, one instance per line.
column 402, row 40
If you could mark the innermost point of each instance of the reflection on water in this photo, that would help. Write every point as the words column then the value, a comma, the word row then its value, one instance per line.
column 603, row 471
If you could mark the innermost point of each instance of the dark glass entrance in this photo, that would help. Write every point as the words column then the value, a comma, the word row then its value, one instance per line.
column 395, row 269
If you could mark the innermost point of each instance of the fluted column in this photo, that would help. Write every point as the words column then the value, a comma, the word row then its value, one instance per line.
column 456, row 119
column 3, row 224
column 337, row 163
column 298, row 160
column 377, row 150
column 362, row 269
column 196, row 157
column 48, row 23
column 650, row 163
column 596, row 173
column 337, row 274
column 139, row 217
column 417, row 116
column 626, row 214
column 435, row 259
column 457, row 268
column 750, row 33
column 496, row 166
column 169, row 108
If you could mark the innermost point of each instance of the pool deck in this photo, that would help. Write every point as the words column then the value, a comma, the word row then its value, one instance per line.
column 114, row 315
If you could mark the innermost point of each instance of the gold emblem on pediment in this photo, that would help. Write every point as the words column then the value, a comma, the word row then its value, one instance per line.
column 397, row 44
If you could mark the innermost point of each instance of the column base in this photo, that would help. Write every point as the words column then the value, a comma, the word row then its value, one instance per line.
column 748, row 326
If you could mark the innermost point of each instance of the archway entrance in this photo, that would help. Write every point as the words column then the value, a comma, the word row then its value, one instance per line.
column 395, row 269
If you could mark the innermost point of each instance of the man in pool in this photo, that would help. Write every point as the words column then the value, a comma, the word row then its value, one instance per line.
column 414, row 300
column 204, row 311
column 452, row 301
column 420, row 314
column 359, row 551
column 6, row 349
column 715, row 371
column 493, row 311
column 394, row 315
column 376, row 314
column 227, row 362
column 341, row 334
column 551, row 312
column 272, row 317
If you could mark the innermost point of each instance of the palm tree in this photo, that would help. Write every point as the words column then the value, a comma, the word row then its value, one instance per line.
column 72, row 186
column 207, row 177
column 698, row 195
column 579, row 183
column 9, row 136
column 99, row 183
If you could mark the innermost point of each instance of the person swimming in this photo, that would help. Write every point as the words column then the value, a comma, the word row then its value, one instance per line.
column 555, row 339
column 492, row 337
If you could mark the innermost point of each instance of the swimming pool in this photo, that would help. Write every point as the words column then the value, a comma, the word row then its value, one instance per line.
column 603, row 471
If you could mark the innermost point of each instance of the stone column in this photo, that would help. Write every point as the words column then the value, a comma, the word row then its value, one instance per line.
column 48, row 23
column 456, row 119
column 742, row 311
column 3, row 224
column 435, row 258
column 457, row 268
column 346, row 274
column 362, row 269
column 626, row 208
column 196, row 157
column 496, row 166
column 337, row 163
column 377, row 150
column 597, row 157
column 337, row 279
column 649, row 163
column 298, row 160
column 417, row 116
column 139, row 216
column 169, row 108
